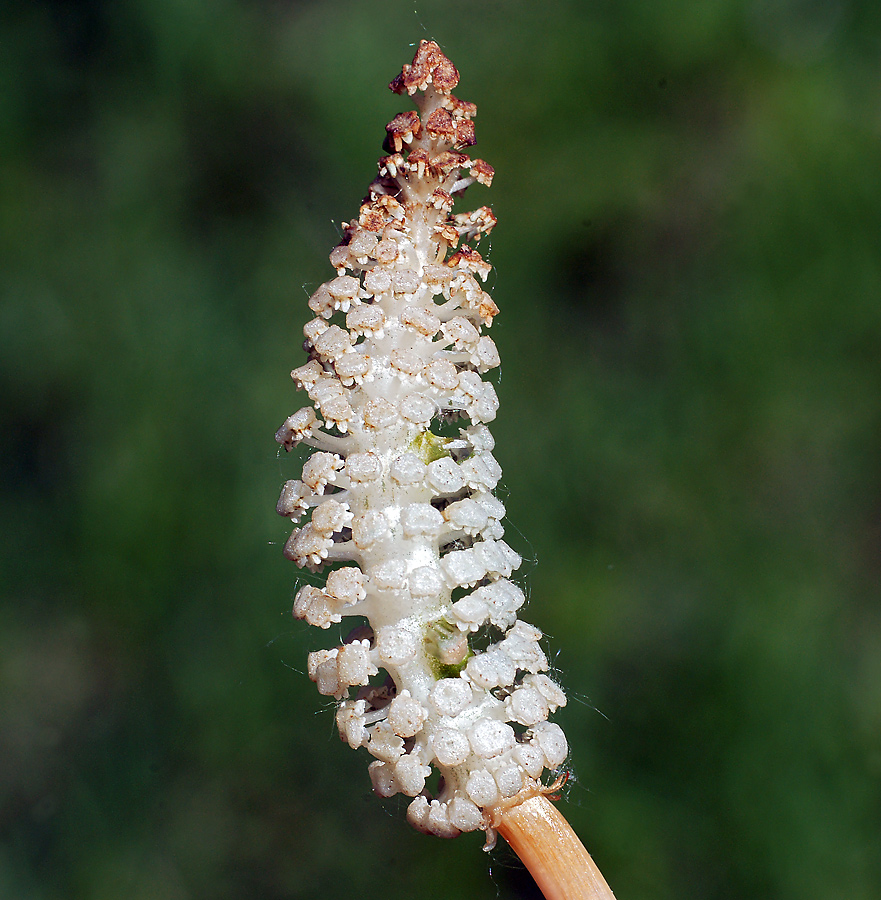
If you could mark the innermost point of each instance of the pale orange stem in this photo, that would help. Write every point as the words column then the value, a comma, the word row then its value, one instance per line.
column 552, row 852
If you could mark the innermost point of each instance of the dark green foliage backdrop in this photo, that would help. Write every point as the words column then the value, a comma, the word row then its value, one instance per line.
column 689, row 271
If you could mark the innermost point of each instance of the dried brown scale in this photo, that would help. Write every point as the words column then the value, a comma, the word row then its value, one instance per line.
column 440, row 125
column 465, row 136
column 403, row 129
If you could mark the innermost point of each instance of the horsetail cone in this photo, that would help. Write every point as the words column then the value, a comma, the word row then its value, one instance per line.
column 398, row 496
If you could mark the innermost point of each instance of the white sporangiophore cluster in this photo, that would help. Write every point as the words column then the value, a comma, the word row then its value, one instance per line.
column 400, row 488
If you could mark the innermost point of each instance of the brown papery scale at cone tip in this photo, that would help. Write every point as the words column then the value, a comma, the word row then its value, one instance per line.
column 399, row 494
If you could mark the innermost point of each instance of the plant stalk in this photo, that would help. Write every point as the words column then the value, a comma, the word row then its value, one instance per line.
column 553, row 853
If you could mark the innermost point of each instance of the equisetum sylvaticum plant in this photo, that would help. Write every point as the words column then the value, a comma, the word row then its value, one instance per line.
column 397, row 501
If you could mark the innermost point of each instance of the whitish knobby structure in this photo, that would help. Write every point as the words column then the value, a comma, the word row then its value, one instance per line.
column 398, row 497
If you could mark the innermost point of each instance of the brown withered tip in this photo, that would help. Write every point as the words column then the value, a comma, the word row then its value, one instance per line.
column 429, row 66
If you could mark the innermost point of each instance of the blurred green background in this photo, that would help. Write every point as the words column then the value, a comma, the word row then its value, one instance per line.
column 688, row 263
